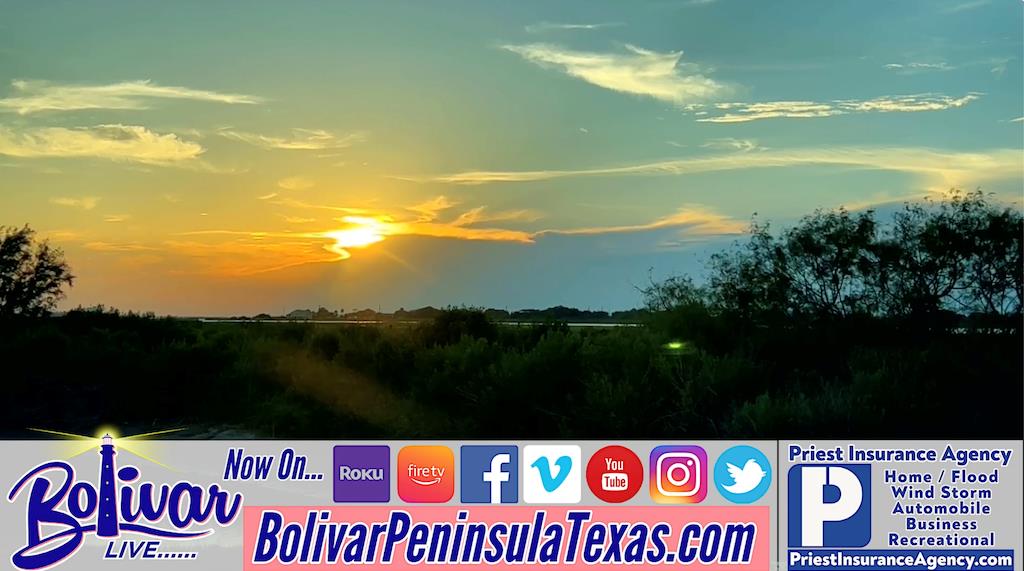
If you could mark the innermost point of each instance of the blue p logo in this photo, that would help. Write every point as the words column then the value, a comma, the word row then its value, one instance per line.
column 829, row 505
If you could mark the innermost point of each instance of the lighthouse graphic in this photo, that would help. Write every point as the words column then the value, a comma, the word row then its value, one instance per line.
column 106, row 525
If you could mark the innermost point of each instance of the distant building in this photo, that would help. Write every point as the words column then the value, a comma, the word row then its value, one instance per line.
column 363, row 315
column 324, row 314
column 300, row 314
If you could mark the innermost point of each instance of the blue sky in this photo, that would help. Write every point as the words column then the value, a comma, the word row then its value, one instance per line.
column 201, row 158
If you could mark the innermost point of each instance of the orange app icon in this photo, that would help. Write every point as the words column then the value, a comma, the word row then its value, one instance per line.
column 426, row 474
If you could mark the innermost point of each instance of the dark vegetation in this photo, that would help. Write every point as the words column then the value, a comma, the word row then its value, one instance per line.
column 32, row 274
column 842, row 326
column 556, row 313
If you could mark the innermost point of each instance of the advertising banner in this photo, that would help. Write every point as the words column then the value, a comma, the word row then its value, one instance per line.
column 93, row 503
column 132, row 502
column 900, row 505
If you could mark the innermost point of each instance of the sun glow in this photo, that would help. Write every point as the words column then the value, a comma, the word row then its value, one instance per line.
column 362, row 232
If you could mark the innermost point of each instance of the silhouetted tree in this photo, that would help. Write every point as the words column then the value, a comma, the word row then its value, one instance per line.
column 32, row 273
column 453, row 323
column 935, row 261
column 674, row 293
column 819, row 268
column 961, row 255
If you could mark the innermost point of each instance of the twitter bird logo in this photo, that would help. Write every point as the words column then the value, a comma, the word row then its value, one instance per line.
column 747, row 478
column 747, row 484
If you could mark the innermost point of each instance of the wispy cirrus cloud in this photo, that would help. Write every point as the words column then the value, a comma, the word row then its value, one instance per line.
column 742, row 112
column 437, row 219
column 745, row 112
column 696, row 220
column 908, row 103
column 241, row 253
column 915, row 66
column 29, row 96
column 429, row 210
column 228, row 252
column 998, row 66
column 295, row 183
column 637, row 71
column 733, row 144
column 964, row 6
column 480, row 215
column 441, row 230
column 300, row 139
column 63, row 235
column 293, row 203
column 297, row 219
column 541, row 27
column 938, row 170
column 118, row 247
column 83, row 202
column 432, row 210
column 130, row 143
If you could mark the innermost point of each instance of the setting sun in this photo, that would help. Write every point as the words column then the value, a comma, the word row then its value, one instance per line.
column 531, row 156
column 363, row 232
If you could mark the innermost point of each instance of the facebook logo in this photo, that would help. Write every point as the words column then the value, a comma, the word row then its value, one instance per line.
column 490, row 474
column 830, row 505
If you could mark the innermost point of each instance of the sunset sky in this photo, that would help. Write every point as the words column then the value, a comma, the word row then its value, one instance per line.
column 223, row 158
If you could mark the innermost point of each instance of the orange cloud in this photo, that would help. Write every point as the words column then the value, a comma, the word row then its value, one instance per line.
column 238, row 253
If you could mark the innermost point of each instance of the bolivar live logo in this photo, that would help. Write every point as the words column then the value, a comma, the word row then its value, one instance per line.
column 119, row 506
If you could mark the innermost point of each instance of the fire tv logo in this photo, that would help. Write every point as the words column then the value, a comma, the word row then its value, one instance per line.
column 426, row 474
column 830, row 505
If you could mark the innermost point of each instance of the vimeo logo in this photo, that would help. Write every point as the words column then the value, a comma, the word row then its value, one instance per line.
column 829, row 505
column 552, row 474
column 490, row 474
column 547, row 477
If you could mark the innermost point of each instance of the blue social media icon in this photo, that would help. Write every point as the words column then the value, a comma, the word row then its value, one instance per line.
column 743, row 474
column 829, row 505
column 552, row 479
column 489, row 474
column 552, row 474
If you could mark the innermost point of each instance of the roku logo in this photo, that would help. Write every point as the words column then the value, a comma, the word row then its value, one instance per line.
column 358, row 474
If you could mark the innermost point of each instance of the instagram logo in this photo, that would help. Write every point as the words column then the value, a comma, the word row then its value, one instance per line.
column 679, row 474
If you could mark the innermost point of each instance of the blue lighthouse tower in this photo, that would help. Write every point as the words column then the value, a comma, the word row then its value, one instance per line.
column 106, row 522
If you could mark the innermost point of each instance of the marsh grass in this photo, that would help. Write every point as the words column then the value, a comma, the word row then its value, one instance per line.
column 461, row 376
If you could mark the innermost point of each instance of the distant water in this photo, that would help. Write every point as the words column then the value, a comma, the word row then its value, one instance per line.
column 401, row 322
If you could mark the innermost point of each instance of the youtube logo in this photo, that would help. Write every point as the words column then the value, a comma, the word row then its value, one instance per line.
column 615, row 474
